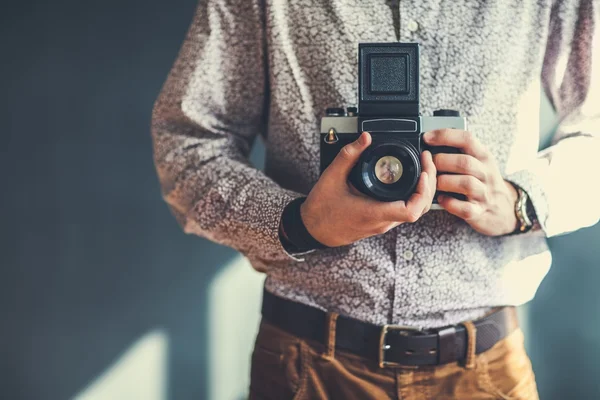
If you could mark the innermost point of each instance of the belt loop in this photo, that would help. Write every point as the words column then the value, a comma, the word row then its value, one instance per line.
column 471, row 344
column 330, row 335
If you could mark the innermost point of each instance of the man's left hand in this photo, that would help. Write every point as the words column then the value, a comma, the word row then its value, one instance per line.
column 490, row 204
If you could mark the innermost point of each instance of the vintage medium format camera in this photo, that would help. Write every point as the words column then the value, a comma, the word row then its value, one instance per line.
column 388, row 108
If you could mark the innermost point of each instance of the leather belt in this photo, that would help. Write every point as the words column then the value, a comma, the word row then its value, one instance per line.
column 389, row 345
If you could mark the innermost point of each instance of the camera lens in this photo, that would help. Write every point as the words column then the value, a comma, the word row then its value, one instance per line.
column 388, row 169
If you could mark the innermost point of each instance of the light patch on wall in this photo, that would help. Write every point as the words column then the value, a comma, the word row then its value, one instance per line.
column 234, row 315
column 519, row 276
column 139, row 374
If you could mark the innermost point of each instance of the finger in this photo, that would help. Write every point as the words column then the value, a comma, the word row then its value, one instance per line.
column 348, row 156
column 400, row 211
column 422, row 184
column 433, row 190
column 393, row 211
column 470, row 186
column 383, row 228
column 427, row 208
column 429, row 167
column 354, row 191
column 463, row 140
column 422, row 197
column 463, row 164
column 428, row 164
column 462, row 209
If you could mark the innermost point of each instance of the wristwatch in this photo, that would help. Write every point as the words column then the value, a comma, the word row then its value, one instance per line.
column 525, row 213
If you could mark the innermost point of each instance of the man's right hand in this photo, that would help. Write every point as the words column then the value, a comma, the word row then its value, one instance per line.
column 336, row 214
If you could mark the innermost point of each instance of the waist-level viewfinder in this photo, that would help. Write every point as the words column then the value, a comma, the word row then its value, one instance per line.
column 388, row 80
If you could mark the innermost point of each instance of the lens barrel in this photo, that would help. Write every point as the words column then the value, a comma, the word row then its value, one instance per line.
column 397, row 179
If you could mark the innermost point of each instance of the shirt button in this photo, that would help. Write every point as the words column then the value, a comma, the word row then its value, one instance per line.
column 412, row 25
column 408, row 255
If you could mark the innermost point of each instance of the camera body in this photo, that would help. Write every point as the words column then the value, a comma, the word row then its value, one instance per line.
column 388, row 108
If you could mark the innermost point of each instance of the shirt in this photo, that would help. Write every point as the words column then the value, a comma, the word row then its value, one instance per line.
column 272, row 67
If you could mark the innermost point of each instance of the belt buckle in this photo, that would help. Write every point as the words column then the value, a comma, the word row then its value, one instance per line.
column 383, row 346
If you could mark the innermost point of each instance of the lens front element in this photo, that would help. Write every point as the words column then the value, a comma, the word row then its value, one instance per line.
column 388, row 169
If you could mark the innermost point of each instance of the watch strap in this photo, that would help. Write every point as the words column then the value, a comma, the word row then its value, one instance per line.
column 532, row 215
column 294, row 232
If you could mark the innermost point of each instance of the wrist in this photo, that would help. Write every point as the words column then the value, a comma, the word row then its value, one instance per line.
column 308, row 222
column 294, row 231
column 523, row 213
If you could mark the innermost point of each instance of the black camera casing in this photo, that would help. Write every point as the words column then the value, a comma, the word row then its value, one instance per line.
column 389, row 111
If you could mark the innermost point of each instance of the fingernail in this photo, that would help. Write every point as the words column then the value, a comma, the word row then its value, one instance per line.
column 428, row 135
column 362, row 139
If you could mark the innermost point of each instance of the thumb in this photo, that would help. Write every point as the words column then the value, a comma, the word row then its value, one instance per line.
column 348, row 156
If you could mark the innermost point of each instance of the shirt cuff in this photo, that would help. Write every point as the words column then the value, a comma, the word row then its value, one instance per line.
column 280, row 249
column 293, row 234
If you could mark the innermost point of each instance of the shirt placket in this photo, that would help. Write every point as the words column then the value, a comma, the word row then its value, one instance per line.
column 408, row 23
column 406, row 251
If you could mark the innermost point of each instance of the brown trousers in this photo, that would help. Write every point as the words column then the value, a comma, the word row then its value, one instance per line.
column 287, row 367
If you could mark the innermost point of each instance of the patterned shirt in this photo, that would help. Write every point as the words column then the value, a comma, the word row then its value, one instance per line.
column 271, row 68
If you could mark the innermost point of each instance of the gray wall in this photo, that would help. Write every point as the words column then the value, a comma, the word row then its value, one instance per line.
column 564, row 320
column 91, row 258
